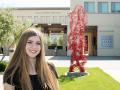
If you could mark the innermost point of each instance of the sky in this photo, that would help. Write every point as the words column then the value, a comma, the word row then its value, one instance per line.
column 34, row 3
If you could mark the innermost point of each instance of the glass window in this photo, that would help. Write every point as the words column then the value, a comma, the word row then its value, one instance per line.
column 115, row 6
column 89, row 7
column 103, row 7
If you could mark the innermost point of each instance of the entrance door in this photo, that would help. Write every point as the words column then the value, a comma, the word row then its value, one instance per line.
column 88, row 47
column 57, row 42
column 91, row 41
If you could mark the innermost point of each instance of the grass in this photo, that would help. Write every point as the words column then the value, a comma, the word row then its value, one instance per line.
column 96, row 80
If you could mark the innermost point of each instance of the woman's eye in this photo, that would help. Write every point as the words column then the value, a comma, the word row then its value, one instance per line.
column 38, row 43
column 29, row 42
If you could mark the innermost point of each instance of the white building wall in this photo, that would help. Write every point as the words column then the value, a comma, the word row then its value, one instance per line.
column 107, row 25
column 109, row 31
column 44, row 16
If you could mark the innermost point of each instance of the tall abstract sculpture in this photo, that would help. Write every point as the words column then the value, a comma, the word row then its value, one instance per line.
column 76, row 39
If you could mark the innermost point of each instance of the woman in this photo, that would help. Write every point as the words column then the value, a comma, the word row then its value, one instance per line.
column 28, row 69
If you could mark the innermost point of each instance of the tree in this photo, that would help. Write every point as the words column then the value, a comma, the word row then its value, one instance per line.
column 10, row 28
column 6, row 25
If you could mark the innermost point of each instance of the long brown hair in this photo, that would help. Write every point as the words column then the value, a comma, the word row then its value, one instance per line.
column 20, row 62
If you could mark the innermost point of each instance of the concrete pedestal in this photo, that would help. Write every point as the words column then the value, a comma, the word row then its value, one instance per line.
column 76, row 74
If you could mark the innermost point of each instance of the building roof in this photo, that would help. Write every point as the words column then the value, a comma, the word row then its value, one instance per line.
column 42, row 8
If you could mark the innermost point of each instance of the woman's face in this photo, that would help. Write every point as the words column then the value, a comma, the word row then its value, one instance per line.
column 33, row 46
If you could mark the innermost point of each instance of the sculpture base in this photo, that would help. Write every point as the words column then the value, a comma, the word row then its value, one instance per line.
column 76, row 74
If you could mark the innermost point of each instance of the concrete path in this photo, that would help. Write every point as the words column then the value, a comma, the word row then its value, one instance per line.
column 110, row 65
column 1, row 80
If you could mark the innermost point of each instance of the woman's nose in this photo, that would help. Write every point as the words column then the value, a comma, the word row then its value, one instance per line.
column 33, row 46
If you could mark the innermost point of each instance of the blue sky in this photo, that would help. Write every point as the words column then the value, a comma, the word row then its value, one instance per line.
column 34, row 3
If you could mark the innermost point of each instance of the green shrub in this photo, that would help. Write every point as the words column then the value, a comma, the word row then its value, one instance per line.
column 2, row 66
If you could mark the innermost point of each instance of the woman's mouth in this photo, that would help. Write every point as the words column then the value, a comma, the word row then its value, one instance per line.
column 33, row 51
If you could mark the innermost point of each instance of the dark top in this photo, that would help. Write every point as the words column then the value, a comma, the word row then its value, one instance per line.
column 36, row 84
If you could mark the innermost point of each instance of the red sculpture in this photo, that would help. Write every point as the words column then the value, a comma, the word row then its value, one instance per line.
column 76, row 39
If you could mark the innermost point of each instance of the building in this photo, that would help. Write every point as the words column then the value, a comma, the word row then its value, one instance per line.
column 103, row 27
column 53, row 22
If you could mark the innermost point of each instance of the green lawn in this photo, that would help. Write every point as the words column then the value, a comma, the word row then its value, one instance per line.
column 96, row 80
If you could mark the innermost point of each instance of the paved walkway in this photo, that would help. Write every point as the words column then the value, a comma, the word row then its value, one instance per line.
column 110, row 65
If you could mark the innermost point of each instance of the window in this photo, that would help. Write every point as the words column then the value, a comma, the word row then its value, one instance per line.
column 103, row 7
column 115, row 6
column 89, row 7
column 107, row 42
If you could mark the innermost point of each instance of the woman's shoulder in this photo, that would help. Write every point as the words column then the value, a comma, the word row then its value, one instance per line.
column 11, row 78
column 52, row 67
column 10, row 70
column 50, row 64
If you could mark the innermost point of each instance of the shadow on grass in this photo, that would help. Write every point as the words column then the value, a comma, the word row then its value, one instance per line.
column 64, row 78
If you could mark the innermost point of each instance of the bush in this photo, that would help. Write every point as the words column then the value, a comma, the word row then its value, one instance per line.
column 2, row 66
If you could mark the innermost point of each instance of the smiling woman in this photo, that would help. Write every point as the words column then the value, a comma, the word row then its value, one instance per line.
column 28, row 69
